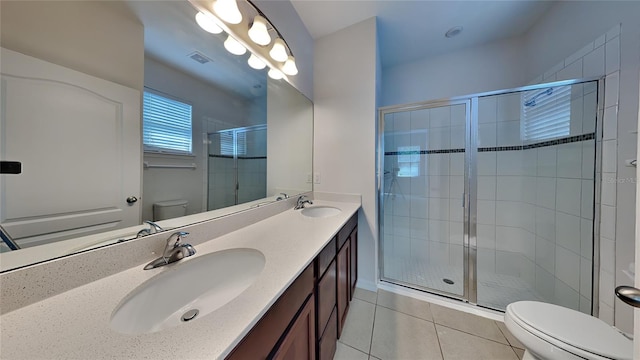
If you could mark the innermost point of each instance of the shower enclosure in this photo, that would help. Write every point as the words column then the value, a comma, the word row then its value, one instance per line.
column 237, row 166
column 493, row 198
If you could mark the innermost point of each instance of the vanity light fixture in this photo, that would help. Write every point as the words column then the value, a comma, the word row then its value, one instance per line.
column 256, row 63
column 275, row 74
column 248, row 29
column 258, row 31
column 289, row 66
column 207, row 23
column 278, row 51
column 234, row 47
column 228, row 11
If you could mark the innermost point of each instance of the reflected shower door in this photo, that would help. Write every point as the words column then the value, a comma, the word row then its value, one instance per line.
column 221, row 185
column 252, row 164
column 422, row 212
column 535, row 207
column 237, row 166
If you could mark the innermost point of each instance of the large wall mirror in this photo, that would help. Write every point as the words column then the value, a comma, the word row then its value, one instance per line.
column 122, row 112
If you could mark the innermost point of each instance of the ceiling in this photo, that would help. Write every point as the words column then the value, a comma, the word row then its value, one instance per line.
column 414, row 29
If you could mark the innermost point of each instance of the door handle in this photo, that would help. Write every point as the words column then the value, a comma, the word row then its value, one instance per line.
column 629, row 295
column 131, row 200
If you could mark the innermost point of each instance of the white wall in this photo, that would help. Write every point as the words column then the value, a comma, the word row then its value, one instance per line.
column 345, row 128
column 493, row 66
column 210, row 107
column 99, row 38
column 566, row 28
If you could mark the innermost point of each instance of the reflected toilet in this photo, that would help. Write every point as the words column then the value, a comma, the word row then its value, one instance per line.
column 164, row 210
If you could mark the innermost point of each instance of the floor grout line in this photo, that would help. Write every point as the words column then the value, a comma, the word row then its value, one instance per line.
column 402, row 312
column 375, row 309
column 347, row 345
column 476, row 335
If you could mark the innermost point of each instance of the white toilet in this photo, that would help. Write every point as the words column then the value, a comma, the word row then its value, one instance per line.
column 164, row 210
column 553, row 332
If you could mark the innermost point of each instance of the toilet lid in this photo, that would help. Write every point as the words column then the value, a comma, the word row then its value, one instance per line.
column 573, row 328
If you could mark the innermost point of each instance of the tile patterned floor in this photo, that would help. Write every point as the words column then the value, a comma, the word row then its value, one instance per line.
column 387, row 326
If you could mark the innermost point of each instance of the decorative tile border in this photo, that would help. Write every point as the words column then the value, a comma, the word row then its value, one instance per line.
column 566, row 140
column 239, row 157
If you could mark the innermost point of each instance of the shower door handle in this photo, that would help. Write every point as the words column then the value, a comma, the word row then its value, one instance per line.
column 629, row 295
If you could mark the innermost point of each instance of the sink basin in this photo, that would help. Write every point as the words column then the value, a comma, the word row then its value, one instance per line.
column 320, row 211
column 188, row 291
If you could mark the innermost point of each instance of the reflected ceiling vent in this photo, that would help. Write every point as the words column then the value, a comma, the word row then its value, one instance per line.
column 199, row 57
column 454, row 31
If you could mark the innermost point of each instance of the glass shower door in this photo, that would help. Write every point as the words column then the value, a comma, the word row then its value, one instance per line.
column 422, row 190
column 535, row 207
column 252, row 164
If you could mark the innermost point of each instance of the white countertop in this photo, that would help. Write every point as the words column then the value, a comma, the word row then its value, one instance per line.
column 75, row 324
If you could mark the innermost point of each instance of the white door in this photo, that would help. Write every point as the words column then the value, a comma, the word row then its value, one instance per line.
column 78, row 139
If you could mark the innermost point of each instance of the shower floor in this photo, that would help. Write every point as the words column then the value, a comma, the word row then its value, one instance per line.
column 494, row 290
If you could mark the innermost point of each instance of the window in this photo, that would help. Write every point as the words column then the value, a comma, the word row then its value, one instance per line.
column 546, row 113
column 166, row 125
column 409, row 161
column 233, row 147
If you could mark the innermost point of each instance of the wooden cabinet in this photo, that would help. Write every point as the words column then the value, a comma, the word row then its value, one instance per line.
column 263, row 339
column 343, row 293
column 307, row 320
column 347, row 265
column 353, row 264
column 299, row 343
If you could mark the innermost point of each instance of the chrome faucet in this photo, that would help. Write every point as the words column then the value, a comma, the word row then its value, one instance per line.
column 301, row 201
column 283, row 197
column 174, row 251
column 153, row 228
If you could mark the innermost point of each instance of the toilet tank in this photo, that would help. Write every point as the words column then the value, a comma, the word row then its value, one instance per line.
column 169, row 209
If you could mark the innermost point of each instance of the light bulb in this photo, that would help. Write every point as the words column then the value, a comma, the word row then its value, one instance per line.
column 258, row 32
column 234, row 47
column 278, row 51
column 207, row 24
column 228, row 11
column 275, row 74
column 289, row 66
column 256, row 63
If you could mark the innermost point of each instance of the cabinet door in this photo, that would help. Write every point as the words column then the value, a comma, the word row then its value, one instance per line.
column 300, row 341
column 353, row 273
column 326, row 297
column 328, row 342
column 343, row 260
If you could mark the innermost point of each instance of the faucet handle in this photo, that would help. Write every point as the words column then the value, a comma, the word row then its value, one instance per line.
column 179, row 235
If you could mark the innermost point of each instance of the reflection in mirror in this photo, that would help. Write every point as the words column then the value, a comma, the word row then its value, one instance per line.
column 125, row 112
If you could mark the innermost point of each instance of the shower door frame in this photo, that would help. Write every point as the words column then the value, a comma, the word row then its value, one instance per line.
column 470, row 245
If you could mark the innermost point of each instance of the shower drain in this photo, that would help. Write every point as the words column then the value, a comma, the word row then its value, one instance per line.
column 448, row 281
column 190, row 315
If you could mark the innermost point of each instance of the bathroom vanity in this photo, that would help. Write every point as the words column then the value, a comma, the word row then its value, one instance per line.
column 294, row 309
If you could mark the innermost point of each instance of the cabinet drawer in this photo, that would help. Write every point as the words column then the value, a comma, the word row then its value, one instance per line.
column 346, row 230
column 262, row 339
column 326, row 297
column 325, row 257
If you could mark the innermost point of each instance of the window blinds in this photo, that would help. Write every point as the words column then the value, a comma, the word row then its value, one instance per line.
column 166, row 125
column 546, row 113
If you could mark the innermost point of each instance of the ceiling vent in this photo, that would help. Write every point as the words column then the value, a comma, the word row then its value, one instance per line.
column 199, row 57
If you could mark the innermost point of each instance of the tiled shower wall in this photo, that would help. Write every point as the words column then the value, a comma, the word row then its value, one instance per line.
column 601, row 57
column 535, row 200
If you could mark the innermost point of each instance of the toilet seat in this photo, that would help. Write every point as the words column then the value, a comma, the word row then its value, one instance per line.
column 570, row 330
